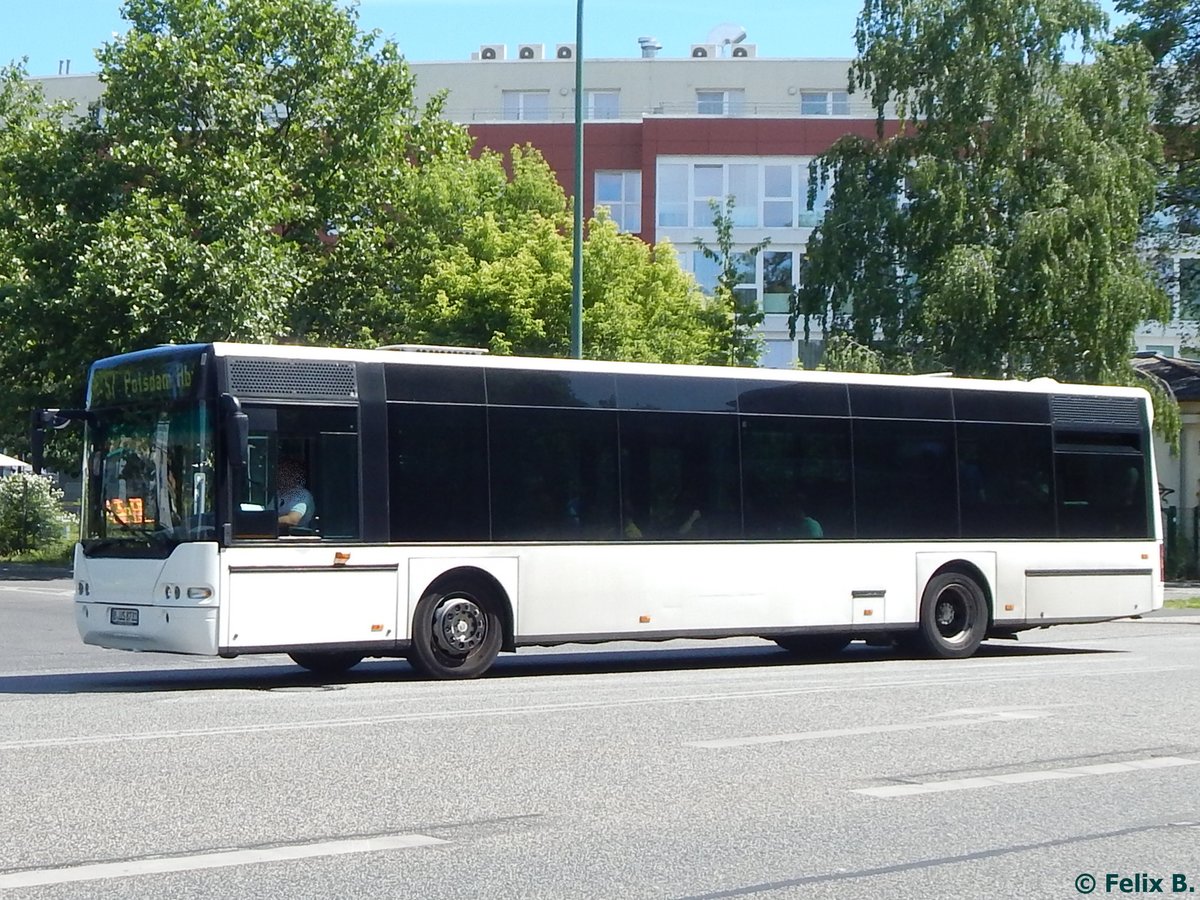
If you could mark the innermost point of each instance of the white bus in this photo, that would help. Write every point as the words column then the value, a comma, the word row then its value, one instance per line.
column 467, row 505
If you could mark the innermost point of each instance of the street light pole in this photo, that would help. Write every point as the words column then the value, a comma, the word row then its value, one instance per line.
column 577, row 234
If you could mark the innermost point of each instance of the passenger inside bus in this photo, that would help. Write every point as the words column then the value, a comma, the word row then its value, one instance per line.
column 808, row 526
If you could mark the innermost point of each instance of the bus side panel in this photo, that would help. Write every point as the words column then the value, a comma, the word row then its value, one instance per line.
column 296, row 598
column 629, row 588
column 1088, row 595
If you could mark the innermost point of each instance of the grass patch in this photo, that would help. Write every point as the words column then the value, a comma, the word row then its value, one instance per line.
column 60, row 554
column 1188, row 603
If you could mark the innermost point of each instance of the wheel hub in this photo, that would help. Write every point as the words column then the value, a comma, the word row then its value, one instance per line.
column 951, row 615
column 459, row 626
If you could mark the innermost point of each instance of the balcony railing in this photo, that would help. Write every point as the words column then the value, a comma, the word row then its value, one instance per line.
column 565, row 113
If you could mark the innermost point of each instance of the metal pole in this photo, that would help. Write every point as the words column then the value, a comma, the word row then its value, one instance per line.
column 577, row 235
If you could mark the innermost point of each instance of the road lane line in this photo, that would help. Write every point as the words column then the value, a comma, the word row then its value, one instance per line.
column 158, row 865
column 532, row 709
column 942, row 720
column 985, row 781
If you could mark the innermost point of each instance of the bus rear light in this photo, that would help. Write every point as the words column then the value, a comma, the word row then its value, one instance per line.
column 199, row 593
column 1162, row 561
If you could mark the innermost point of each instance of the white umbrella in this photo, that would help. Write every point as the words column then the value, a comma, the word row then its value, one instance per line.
column 11, row 462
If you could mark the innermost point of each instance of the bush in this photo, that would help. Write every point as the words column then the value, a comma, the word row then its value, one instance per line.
column 31, row 515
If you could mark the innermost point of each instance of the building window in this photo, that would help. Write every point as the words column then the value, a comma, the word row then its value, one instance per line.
column 779, row 198
column 778, row 281
column 708, row 187
column 766, row 194
column 621, row 192
column 672, row 202
column 810, row 218
column 720, row 103
column 1189, row 288
column 603, row 104
column 526, row 106
column 707, row 272
column 824, row 103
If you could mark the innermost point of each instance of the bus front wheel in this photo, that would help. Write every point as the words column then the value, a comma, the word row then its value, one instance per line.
column 456, row 634
column 954, row 616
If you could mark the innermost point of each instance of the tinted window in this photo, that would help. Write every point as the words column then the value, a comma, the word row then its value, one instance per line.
column 554, row 474
column 509, row 387
column 435, row 384
column 318, row 446
column 793, row 399
column 796, row 482
column 876, row 401
column 904, row 480
column 676, row 393
column 1001, row 406
column 1101, row 495
column 439, row 483
column 1005, row 481
column 679, row 477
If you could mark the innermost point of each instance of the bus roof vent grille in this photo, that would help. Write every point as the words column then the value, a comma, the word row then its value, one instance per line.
column 292, row 378
column 1093, row 412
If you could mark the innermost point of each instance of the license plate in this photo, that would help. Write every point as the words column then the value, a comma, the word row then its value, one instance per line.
column 123, row 616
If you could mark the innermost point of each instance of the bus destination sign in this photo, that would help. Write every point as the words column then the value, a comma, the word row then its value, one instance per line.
column 165, row 379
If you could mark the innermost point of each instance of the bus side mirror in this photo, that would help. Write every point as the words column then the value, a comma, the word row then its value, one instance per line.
column 57, row 419
column 237, row 431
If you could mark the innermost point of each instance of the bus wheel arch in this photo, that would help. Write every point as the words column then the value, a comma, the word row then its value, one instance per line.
column 462, row 621
column 955, row 612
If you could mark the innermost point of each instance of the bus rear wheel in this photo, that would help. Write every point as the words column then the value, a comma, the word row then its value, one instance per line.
column 328, row 663
column 456, row 634
column 954, row 616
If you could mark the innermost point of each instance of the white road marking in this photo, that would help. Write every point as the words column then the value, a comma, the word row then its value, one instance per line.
column 942, row 720
column 158, row 865
column 34, row 590
column 984, row 781
column 956, row 679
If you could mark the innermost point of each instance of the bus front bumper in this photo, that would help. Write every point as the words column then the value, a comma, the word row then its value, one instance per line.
column 164, row 629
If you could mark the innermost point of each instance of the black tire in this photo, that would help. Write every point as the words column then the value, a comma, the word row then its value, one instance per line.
column 954, row 616
column 333, row 662
column 813, row 644
column 455, row 634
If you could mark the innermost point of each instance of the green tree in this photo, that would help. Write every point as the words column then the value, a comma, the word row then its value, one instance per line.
column 993, row 233
column 495, row 253
column 238, row 144
column 259, row 170
column 31, row 514
column 740, row 311
column 1169, row 30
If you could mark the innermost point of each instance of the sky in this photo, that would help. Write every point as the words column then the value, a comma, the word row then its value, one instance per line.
column 50, row 31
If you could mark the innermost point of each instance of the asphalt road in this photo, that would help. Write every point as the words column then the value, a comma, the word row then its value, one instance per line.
column 683, row 770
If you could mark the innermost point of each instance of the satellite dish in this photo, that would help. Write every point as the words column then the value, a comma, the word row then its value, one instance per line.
column 726, row 34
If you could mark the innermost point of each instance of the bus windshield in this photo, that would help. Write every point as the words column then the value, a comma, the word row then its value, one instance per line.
column 149, row 474
column 149, row 482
